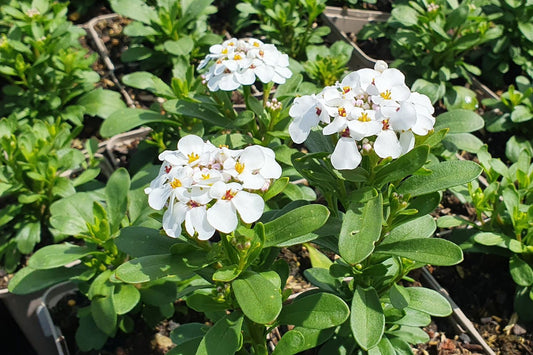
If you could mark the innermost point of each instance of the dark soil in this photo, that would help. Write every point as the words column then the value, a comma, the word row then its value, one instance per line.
column 143, row 340
column 482, row 287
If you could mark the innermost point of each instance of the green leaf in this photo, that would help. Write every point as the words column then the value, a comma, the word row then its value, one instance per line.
column 422, row 227
column 367, row 319
column 28, row 279
column 186, row 332
column 142, row 241
column 204, row 303
column 88, row 335
column 101, row 103
column 399, row 297
column 159, row 293
column 181, row 47
column 412, row 335
column 28, row 236
column 104, row 314
column 136, row 10
column 361, row 228
column 224, row 337
column 258, row 298
column 276, row 188
column 384, row 347
column 125, row 298
column 405, row 15
column 300, row 339
column 317, row 258
column 116, row 190
column 148, row 81
column 503, row 241
column 462, row 141
column 206, row 112
column 317, row 311
column 295, row 223
column 403, row 166
column 442, row 176
column 521, row 271
column 57, row 255
column 71, row 214
column 527, row 29
column 425, row 250
column 459, row 121
column 153, row 267
column 429, row 301
column 126, row 119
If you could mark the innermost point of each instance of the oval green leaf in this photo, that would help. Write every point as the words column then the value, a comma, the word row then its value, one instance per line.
column 295, row 223
column 425, row 250
column 258, row 298
column 428, row 301
column 367, row 319
column 316, row 311
column 57, row 255
column 443, row 175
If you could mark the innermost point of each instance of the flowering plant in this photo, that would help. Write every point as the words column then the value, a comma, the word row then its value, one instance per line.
column 241, row 62
column 380, row 189
column 204, row 186
column 373, row 105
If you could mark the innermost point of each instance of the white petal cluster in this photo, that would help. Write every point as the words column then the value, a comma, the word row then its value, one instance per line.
column 242, row 61
column 205, row 188
column 373, row 105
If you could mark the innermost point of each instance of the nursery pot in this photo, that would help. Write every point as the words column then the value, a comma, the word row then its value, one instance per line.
column 51, row 332
column 24, row 310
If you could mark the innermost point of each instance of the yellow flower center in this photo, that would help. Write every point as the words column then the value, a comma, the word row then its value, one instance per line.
column 175, row 183
column 346, row 89
column 256, row 44
column 364, row 117
column 225, row 51
column 386, row 95
column 193, row 157
column 237, row 57
column 239, row 167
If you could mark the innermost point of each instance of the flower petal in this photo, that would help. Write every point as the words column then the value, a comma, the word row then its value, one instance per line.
column 250, row 206
column 222, row 216
column 387, row 145
column 346, row 155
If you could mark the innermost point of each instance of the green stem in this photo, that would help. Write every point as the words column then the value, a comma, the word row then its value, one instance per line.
column 257, row 333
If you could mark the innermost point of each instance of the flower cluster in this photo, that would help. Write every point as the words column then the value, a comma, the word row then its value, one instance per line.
column 204, row 186
column 369, row 105
column 239, row 62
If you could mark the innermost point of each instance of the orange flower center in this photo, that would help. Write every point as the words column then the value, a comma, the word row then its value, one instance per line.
column 386, row 124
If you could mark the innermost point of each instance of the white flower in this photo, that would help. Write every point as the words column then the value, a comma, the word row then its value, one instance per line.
column 202, row 187
column 254, row 167
column 307, row 112
column 240, row 62
column 370, row 105
column 346, row 155
column 169, row 185
column 231, row 198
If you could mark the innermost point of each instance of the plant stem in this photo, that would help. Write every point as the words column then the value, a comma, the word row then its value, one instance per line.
column 257, row 333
